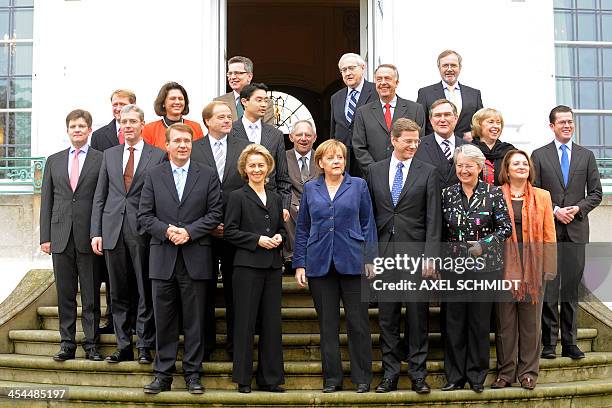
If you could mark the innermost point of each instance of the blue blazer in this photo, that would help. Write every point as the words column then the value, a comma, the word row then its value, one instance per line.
column 341, row 230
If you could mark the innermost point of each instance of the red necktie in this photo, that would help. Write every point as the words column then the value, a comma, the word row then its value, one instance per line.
column 128, row 174
column 120, row 136
column 388, row 116
column 74, row 170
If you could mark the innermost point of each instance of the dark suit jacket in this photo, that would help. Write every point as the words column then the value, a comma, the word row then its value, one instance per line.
column 247, row 219
column 232, row 180
column 371, row 138
column 430, row 152
column 471, row 102
column 339, row 128
column 583, row 176
column 417, row 217
column 229, row 99
column 273, row 140
column 105, row 137
column 61, row 209
column 199, row 211
column 111, row 202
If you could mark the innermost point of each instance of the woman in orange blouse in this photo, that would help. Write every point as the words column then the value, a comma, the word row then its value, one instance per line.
column 172, row 103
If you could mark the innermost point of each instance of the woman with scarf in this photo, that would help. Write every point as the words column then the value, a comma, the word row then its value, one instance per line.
column 530, row 259
column 487, row 126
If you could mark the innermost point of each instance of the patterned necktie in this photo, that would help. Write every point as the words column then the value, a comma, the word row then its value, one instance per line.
column 388, row 115
column 396, row 189
column 239, row 108
column 304, row 169
column 352, row 106
column 128, row 174
column 219, row 158
column 74, row 170
column 565, row 164
column 179, row 181
column 253, row 136
column 447, row 150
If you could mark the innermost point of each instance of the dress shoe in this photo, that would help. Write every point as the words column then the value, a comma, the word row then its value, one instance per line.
column 572, row 352
column 64, row 354
column 194, row 386
column 107, row 328
column 386, row 385
column 500, row 383
column 144, row 356
column 244, row 388
column 121, row 355
column 157, row 386
column 93, row 354
column 272, row 388
column 331, row 388
column 420, row 386
column 361, row 388
column 548, row 352
column 528, row 383
column 477, row 388
column 452, row 387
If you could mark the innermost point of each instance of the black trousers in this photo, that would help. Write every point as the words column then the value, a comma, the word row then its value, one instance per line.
column 70, row 268
column 258, row 291
column 171, row 296
column 570, row 269
column 100, row 264
column 326, row 293
column 129, row 262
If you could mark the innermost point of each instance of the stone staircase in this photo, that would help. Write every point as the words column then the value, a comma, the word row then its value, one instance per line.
column 31, row 337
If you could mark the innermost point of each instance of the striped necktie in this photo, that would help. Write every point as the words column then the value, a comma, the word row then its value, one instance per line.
column 179, row 181
column 447, row 150
column 352, row 106
column 219, row 158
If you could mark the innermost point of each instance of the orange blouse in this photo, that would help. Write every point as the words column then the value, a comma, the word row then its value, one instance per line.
column 154, row 133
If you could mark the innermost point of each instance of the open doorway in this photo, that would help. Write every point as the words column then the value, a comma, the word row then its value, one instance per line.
column 295, row 46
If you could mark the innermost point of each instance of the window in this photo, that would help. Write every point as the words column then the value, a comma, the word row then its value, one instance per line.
column 288, row 110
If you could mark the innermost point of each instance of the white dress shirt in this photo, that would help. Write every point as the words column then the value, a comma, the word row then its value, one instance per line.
column 137, row 153
column 82, row 154
column 392, row 103
column 358, row 88
column 256, row 137
column 451, row 140
column 393, row 170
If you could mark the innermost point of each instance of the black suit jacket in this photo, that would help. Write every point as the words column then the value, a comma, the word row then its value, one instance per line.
column 246, row 219
column 63, row 211
column 583, row 189
column 105, row 137
column 430, row 152
column 339, row 128
column 371, row 138
column 199, row 211
column 417, row 217
column 273, row 140
column 471, row 102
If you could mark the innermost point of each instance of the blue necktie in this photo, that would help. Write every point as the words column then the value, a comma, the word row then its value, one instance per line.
column 565, row 164
column 396, row 189
column 179, row 181
column 352, row 106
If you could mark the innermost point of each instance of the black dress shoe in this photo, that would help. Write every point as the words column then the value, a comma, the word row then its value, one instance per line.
column 194, row 386
column 477, row 388
column 64, row 354
column 272, row 388
column 107, row 328
column 121, row 355
column 452, row 387
column 386, row 385
column 93, row 354
column 361, row 388
column 572, row 352
column 157, row 386
column 144, row 356
column 420, row 386
column 244, row 388
column 331, row 388
column 548, row 352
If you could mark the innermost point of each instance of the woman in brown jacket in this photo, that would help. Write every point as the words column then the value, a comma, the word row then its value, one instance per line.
column 530, row 259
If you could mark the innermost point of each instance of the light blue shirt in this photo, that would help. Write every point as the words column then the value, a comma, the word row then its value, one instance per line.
column 348, row 94
column 180, row 186
column 81, row 157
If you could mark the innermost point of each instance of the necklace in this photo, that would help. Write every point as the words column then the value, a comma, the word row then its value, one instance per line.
column 518, row 195
column 166, row 125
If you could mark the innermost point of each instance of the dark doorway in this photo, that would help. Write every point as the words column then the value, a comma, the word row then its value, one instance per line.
column 295, row 46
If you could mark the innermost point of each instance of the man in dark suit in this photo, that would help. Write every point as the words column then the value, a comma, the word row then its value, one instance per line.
column 406, row 199
column 466, row 99
column 68, row 187
column 567, row 171
column 180, row 205
column 373, row 121
column 250, row 127
column 103, row 138
column 220, row 151
column 116, row 234
column 439, row 147
column 239, row 75
column 345, row 102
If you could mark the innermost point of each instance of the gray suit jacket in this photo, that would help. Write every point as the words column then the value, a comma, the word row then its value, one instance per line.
column 583, row 176
column 111, row 202
column 61, row 209
column 297, row 188
column 371, row 138
column 229, row 99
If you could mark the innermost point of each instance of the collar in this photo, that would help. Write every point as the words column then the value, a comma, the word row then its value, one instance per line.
column 358, row 88
column 236, row 95
column 138, row 146
column 440, row 139
column 395, row 160
column 117, row 126
column 83, row 149
column 214, row 140
column 298, row 156
column 445, row 85
column 568, row 144
column 392, row 103
column 186, row 166
column 247, row 123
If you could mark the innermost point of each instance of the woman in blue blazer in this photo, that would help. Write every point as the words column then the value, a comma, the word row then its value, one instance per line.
column 335, row 243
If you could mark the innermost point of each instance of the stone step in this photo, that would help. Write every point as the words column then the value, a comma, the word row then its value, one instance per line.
column 298, row 374
column 296, row 347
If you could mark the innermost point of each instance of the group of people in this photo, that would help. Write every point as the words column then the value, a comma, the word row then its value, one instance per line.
column 159, row 211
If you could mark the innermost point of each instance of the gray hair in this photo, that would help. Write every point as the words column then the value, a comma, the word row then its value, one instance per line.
column 248, row 64
column 135, row 108
column 309, row 123
column 390, row 66
column 352, row 55
column 470, row 152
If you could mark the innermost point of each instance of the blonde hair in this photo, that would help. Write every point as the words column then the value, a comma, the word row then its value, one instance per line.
column 480, row 117
column 327, row 146
column 251, row 150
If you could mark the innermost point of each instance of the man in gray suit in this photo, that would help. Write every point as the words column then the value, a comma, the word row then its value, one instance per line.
column 116, row 234
column 373, row 121
column 567, row 171
column 239, row 75
column 69, row 182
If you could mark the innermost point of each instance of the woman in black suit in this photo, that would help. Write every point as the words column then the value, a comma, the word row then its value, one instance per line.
column 254, row 224
column 487, row 127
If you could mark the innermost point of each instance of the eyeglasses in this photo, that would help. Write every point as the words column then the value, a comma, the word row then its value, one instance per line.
column 236, row 73
column 350, row 68
column 449, row 66
column 410, row 143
